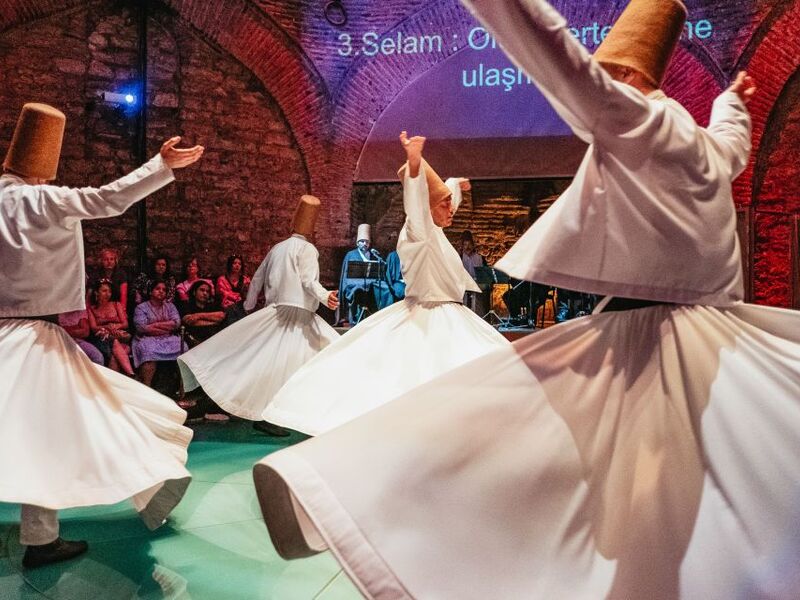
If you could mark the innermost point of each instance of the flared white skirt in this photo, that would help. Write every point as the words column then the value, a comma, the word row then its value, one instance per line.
column 244, row 365
column 391, row 352
column 646, row 454
column 73, row 433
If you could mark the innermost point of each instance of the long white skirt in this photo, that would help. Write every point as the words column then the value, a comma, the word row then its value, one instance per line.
column 644, row 454
column 391, row 352
column 73, row 433
column 244, row 365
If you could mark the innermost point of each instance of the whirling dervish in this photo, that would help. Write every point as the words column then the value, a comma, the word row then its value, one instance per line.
column 244, row 365
column 409, row 342
column 646, row 451
column 72, row 433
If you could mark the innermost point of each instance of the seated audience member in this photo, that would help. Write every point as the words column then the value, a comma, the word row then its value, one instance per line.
column 202, row 318
column 76, row 324
column 159, row 271
column 157, row 322
column 109, row 326
column 232, row 287
column 202, row 315
column 109, row 269
column 192, row 274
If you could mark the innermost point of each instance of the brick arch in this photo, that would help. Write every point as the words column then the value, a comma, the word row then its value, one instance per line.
column 776, row 183
column 767, row 185
column 773, row 59
column 266, row 50
column 705, row 84
column 257, row 42
column 357, row 106
column 251, row 37
column 15, row 12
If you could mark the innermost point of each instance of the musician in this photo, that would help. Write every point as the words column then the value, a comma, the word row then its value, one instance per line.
column 475, row 301
column 394, row 276
column 372, row 292
column 469, row 255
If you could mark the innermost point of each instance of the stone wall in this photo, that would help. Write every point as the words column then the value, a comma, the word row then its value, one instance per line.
column 239, row 199
column 261, row 84
column 496, row 212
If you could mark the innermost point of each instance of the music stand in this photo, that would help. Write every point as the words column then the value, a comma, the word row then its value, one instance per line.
column 369, row 271
column 491, row 276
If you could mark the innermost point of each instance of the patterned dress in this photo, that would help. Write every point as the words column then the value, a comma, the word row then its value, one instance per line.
column 148, row 348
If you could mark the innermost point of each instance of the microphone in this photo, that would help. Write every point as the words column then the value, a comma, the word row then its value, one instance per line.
column 375, row 253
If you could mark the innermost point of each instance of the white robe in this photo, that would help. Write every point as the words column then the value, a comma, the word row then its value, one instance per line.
column 399, row 347
column 244, row 365
column 41, row 256
column 643, row 454
column 72, row 433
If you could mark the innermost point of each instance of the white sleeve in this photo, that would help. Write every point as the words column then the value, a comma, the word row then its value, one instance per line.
column 535, row 36
column 256, row 285
column 416, row 203
column 730, row 127
column 110, row 200
column 309, row 274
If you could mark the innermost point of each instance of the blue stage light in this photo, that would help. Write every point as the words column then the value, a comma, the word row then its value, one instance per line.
column 125, row 100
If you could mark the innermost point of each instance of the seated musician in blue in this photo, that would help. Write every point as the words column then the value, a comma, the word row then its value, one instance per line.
column 394, row 277
column 371, row 293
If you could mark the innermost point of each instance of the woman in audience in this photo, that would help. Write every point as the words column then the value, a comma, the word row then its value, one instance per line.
column 109, row 326
column 110, row 270
column 192, row 275
column 157, row 322
column 76, row 324
column 232, row 287
column 202, row 316
column 159, row 271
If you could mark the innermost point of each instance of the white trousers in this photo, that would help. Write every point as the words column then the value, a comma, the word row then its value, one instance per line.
column 37, row 525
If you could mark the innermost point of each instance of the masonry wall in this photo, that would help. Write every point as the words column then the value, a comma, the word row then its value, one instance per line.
column 239, row 199
column 260, row 83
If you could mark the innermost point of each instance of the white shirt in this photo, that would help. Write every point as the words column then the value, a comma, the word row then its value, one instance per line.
column 289, row 276
column 650, row 212
column 431, row 267
column 41, row 241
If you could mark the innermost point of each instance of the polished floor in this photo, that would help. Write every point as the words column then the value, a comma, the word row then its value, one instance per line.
column 214, row 547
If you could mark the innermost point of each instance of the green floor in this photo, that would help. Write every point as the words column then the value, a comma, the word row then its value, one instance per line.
column 215, row 545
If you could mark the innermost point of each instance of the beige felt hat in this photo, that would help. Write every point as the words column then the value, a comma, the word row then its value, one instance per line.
column 437, row 190
column 305, row 217
column 36, row 145
column 644, row 37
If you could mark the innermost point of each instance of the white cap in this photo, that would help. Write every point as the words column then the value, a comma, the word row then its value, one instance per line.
column 364, row 231
column 454, row 185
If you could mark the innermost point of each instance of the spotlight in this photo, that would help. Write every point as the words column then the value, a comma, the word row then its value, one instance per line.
column 126, row 100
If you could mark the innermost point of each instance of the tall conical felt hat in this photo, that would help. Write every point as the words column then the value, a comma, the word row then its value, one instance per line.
column 364, row 231
column 305, row 217
column 36, row 145
column 644, row 37
column 437, row 190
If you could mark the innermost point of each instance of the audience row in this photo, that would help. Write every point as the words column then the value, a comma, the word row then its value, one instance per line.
column 168, row 318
